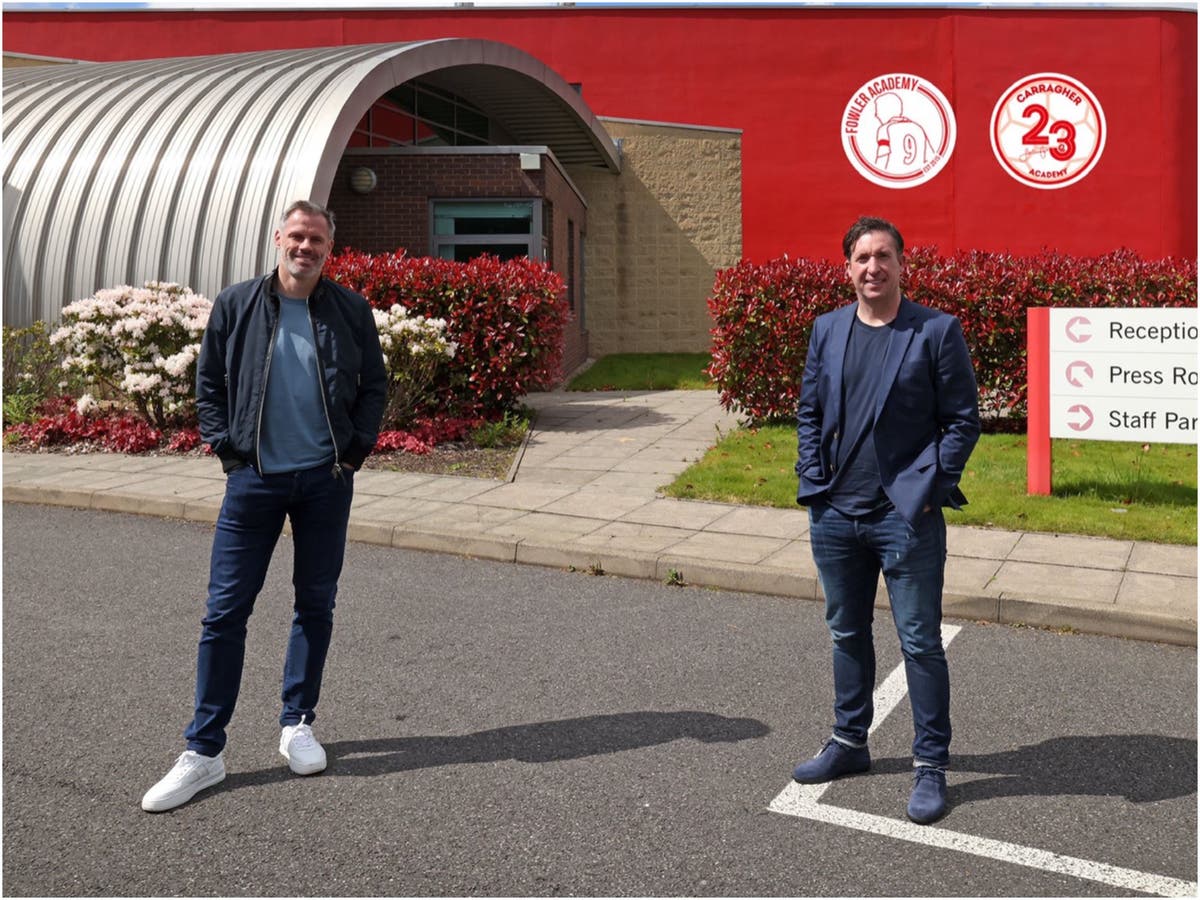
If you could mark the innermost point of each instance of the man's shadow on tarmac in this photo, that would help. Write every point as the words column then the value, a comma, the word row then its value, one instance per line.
column 537, row 742
column 1142, row 768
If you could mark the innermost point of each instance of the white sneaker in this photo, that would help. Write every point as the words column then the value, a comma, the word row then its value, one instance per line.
column 191, row 774
column 303, row 751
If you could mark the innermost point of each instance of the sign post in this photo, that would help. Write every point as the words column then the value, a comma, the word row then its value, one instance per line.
column 1109, row 375
column 1037, row 359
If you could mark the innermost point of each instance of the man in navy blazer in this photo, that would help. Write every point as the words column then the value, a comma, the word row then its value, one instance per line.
column 888, row 416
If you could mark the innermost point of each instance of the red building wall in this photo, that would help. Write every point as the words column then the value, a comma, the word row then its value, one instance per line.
column 784, row 76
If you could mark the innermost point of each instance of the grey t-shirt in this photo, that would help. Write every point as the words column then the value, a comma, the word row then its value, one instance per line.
column 295, row 431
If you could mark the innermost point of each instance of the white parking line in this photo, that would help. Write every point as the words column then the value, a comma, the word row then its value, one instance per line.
column 803, row 801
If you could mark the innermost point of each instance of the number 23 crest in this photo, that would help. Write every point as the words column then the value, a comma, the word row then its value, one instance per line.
column 1048, row 130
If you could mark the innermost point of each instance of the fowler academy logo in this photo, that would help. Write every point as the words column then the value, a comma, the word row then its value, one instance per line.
column 898, row 131
column 1048, row 130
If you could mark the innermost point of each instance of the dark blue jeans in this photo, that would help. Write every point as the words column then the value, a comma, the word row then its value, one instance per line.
column 850, row 553
column 251, row 520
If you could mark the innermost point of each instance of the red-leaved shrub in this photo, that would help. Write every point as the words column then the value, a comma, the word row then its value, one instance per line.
column 186, row 439
column 507, row 319
column 764, row 314
column 61, row 424
column 402, row 441
column 120, row 433
column 425, row 434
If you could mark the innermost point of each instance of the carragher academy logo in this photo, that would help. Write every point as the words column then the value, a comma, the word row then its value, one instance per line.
column 1048, row 131
column 898, row 131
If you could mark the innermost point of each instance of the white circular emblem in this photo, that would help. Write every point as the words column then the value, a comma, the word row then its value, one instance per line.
column 1048, row 131
column 898, row 131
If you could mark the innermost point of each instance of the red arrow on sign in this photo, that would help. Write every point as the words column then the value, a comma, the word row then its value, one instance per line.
column 1077, row 336
column 1087, row 418
column 1081, row 366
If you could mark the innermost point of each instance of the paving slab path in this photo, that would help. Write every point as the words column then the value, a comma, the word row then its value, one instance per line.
column 583, row 494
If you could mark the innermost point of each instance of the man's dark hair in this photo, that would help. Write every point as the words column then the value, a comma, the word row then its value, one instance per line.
column 308, row 208
column 867, row 224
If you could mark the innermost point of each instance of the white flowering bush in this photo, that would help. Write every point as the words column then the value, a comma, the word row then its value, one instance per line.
column 138, row 345
column 414, row 348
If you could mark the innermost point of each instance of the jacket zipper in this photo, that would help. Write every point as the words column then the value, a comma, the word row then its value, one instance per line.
column 337, row 462
column 262, row 398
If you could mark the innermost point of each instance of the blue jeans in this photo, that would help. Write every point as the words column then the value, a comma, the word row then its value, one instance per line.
column 251, row 520
column 850, row 553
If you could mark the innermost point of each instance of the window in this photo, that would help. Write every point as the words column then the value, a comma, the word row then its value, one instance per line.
column 571, row 264
column 463, row 229
column 581, row 312
column 422, row 115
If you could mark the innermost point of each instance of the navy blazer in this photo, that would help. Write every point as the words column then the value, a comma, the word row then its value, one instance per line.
column 926, row 408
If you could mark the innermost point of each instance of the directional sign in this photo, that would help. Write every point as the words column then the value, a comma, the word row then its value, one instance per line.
column 1124, row 374
column 1078, row 329
column 1080, row 417
column 1080, row 374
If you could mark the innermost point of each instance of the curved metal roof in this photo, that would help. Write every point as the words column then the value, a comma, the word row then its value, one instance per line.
column 176, row 169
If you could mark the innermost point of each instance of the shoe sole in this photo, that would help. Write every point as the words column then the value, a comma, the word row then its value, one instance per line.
column 299, row 769
column 171, row 801
column 828, row 780
column 928, row 821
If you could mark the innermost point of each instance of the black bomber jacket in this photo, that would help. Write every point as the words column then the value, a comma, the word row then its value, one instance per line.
column 235, row 353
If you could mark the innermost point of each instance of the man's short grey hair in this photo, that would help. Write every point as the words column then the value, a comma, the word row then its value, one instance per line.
column 867, row 224
column 308, row 208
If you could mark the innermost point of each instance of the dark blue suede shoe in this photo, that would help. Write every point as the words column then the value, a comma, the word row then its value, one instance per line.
column 928, row 801
column 834, row 761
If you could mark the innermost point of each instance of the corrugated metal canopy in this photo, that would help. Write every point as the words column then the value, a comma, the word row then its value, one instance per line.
column 176, row 169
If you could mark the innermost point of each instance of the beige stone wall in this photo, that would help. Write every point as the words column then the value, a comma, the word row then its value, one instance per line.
column 19, row 60
column 657, row 233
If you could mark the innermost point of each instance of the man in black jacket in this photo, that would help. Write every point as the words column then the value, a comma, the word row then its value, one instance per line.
column 290, row 391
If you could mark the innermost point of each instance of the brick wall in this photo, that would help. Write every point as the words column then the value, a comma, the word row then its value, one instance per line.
column 652, row 237
column 395, row 215
column 567, row 211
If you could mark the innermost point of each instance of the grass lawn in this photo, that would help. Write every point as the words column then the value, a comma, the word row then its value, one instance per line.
column 1116, row 490
column 645, row 372
column 1108, row 489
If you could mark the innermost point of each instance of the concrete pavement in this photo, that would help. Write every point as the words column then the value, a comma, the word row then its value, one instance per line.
column 582, row 494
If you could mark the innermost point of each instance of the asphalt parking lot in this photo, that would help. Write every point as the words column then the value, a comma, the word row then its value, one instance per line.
column 496, row 729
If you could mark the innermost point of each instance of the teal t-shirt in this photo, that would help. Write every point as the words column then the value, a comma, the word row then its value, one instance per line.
column 295, row 432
